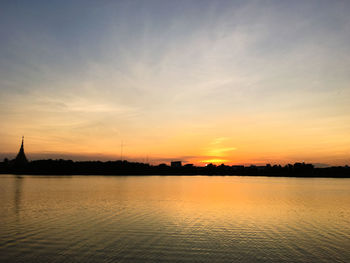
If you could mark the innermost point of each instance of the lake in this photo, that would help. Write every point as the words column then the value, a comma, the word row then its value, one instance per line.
column 174, row 219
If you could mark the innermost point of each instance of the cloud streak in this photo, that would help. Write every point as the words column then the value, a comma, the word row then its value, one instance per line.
column 241, row 78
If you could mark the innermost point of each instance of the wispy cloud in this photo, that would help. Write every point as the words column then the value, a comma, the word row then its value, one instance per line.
column 152, row 71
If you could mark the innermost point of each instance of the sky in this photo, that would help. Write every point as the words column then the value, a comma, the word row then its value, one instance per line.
column 234, row 82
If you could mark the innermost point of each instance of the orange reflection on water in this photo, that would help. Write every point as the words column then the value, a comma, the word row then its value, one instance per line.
column 176, row 215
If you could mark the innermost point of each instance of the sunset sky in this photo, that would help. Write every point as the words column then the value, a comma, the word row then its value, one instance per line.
column 234, row 82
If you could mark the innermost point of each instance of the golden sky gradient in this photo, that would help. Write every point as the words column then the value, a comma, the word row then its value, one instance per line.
column 237, row 82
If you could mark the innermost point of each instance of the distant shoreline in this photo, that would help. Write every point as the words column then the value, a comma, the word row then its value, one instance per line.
column 125, row 168
column 151, row 175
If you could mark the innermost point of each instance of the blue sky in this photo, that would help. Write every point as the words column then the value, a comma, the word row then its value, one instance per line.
column 172, row 78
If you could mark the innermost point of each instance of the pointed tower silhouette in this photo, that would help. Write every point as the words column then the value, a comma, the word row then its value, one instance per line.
column 21, row 159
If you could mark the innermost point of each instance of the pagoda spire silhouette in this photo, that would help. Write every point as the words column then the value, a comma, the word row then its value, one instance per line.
column 21, row 159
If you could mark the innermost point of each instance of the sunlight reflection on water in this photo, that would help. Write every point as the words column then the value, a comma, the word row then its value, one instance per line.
column 174, row 218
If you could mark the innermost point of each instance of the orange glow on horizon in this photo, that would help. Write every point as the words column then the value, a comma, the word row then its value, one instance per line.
column 214, row 161
column 274, row 141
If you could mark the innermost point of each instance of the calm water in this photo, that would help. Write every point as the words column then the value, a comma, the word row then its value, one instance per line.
column 168, row 219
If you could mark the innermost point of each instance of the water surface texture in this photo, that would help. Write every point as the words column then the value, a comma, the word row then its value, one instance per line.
column 174, row 219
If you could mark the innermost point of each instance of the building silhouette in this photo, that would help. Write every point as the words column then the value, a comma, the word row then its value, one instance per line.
column 21, row 159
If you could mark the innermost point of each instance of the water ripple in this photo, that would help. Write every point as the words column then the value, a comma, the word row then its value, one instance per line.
column 174, row 219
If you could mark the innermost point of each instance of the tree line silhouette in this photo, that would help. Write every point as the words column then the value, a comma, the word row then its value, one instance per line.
column 69, row 167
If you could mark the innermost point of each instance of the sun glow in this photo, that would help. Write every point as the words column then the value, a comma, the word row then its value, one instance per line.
column 202, row 87
column 214, row 161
